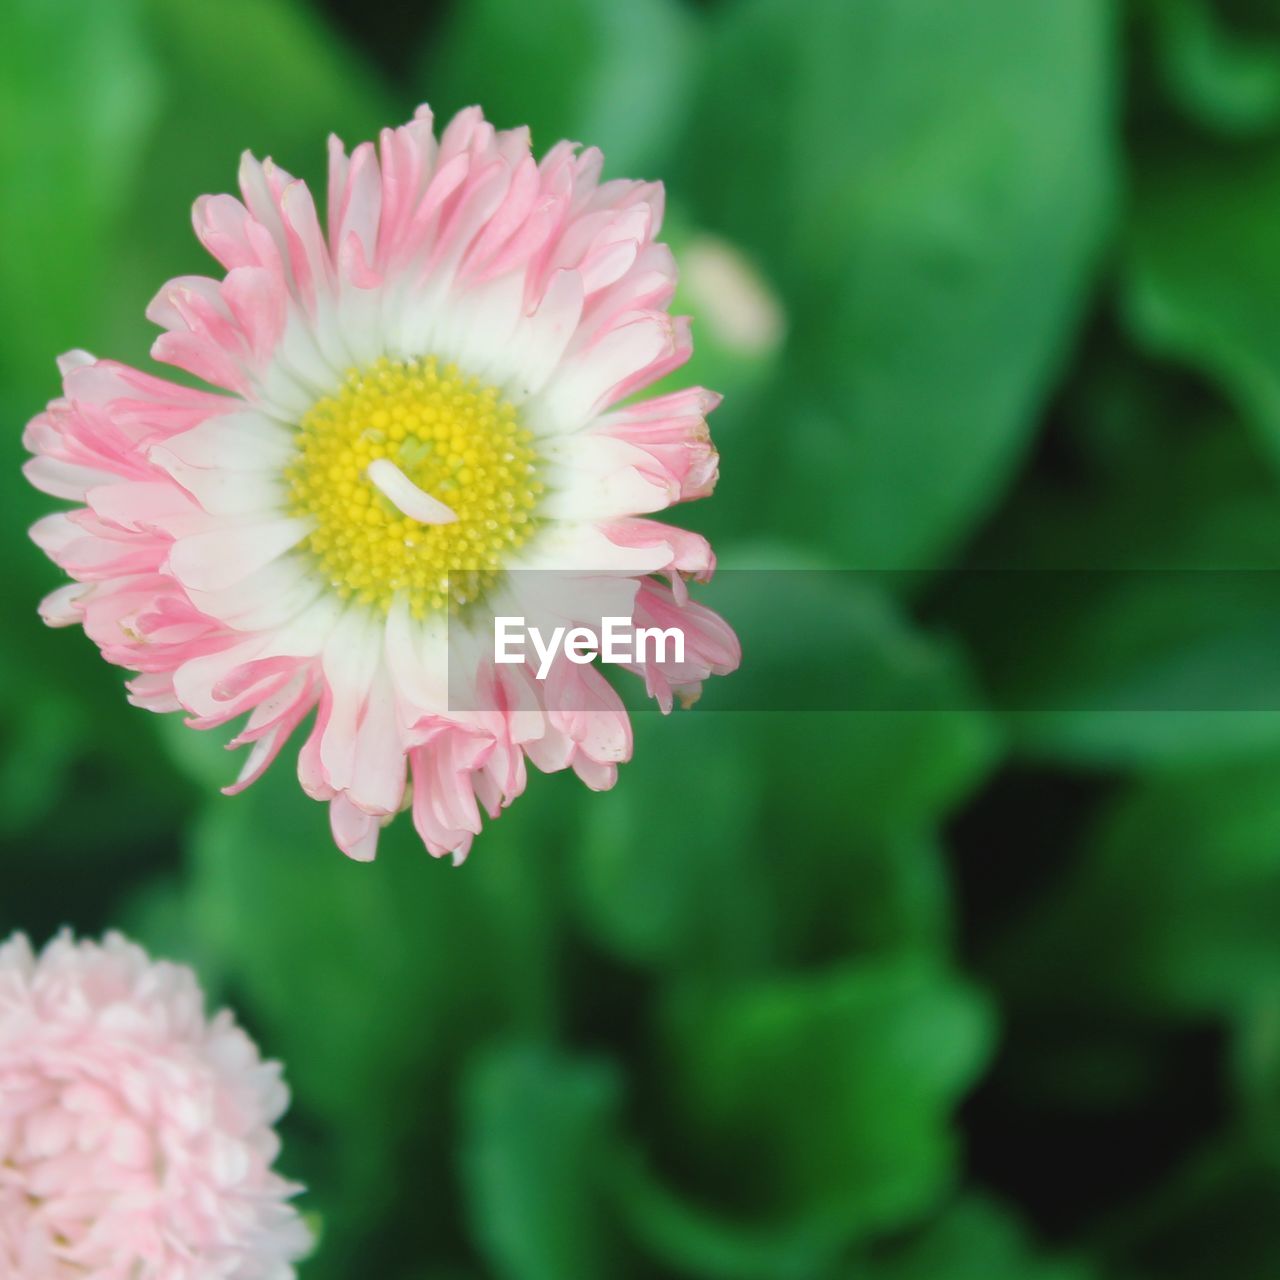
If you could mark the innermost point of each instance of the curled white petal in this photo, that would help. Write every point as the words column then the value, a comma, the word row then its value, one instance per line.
column 407, row 498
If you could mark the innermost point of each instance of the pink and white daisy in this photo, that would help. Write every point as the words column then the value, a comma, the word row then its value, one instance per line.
column 411, row 409
column 136, row 1138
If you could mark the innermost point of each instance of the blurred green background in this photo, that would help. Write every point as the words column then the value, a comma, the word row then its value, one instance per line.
column 957, row 995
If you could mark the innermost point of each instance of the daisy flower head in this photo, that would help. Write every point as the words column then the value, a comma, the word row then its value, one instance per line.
column 136, row 1138
column 411, row 411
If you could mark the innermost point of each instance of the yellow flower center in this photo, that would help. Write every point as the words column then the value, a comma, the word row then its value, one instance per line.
column 420, row 480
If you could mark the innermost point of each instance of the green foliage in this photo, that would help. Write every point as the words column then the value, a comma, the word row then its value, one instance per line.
column 536, row 1142
column 972, row 1240
column 1201, row 223
column 413, row 966
column 644, row 51
column 1181, row 885
column 1220, row 77
column 73, row 126
column 822, row 1099
column 815, row 993
column 929, row 183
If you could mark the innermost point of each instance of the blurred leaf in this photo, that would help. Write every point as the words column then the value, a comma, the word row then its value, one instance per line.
column 537, row 1132
column 732, row 846
column 1203, row 277
column 288, row 86
column 1128, row 614
column 72, row 129
column 658, row 851
column 823, row 1100
column 78, row 92
column 781, row 836
column 1220, row 77
column 831, row 639
column 371, row 981
column 1138, row 739
column 976, row 1239
column 1210, row 1219
column 66, row 729
column 695, row 1241
column 199, row 754
column 930, row 184
column 607, row 75
column 39, row 746
column 1255, row 1060
column 1174, row 903
column 1151, row 667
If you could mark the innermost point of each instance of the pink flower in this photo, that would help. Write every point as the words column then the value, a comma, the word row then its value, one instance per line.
column 411, row 408
column 135, row 1134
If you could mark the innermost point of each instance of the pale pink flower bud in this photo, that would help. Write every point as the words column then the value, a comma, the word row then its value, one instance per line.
column 136, row 1138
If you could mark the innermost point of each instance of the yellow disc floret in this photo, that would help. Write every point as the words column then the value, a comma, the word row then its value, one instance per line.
column 450, row 437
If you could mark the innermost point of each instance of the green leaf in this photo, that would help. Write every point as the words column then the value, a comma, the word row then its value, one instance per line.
column 930, row 184
column 740, row 840
column 1255, row 1060
column 73, row 124
column 199, row 755
column 822, row 1101
column 695, row 1241
column 283, row 89
column 1152, row 668
column 975, row 1239
column 1145, row 621
column 611, row 76
column 1210, row 1219
column 1225, row 79
column 1202, row 280
column 537, row 1133
column 78, row 93
column 372, row 982
column 1173, row 906
column 731, row 846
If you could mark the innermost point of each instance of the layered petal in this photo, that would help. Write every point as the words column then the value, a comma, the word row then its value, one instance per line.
column 136, row 1134
column 308, row 535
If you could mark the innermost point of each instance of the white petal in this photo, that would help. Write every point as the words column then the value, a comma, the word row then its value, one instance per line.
column 597, row 477
column 231, row 493
column 407, row 498
column 64, row 479
column 351, row 658
column 418, row 658
column 541, row 341
column 570, row 546
column 378, row 780
column 227, row 555
column 580, row 383
column 194, row 681
column 266, row 599
column 242, row 441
